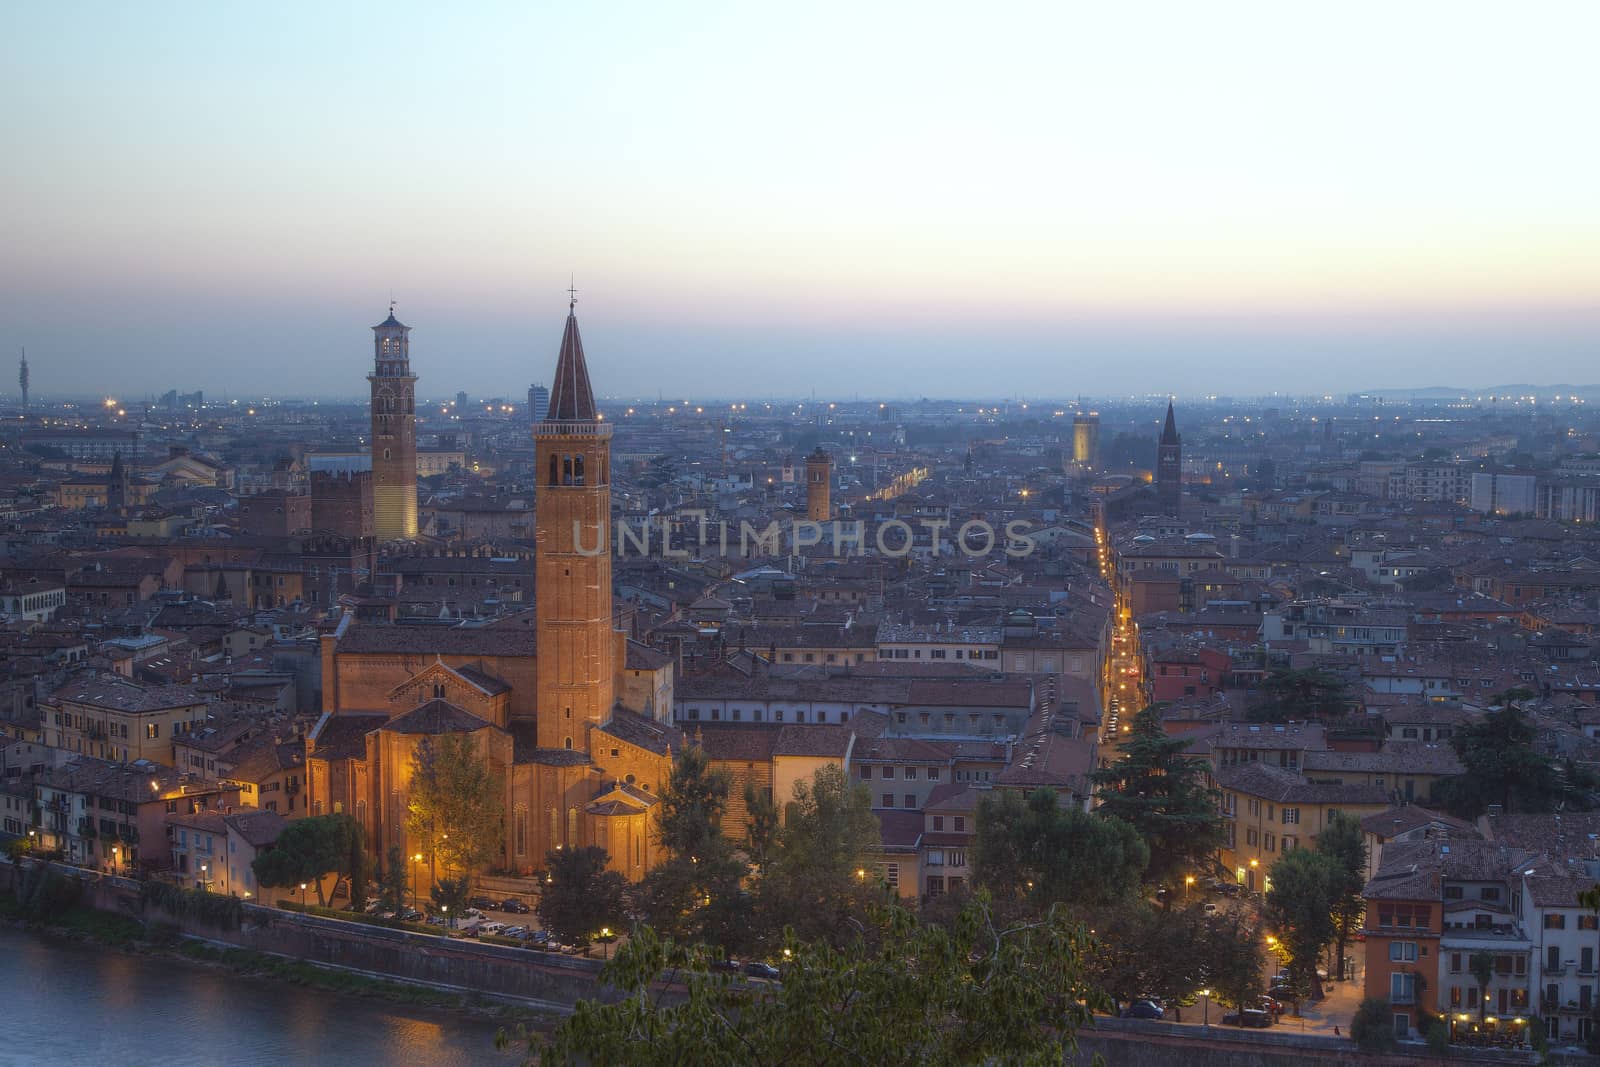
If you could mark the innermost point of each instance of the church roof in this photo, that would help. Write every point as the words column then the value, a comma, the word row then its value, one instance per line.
column 391, row 322
column 1169, row 433
column 436, row 717
column 571, row 398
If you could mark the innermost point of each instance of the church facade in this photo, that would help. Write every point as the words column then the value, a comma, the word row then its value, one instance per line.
column 555, row 700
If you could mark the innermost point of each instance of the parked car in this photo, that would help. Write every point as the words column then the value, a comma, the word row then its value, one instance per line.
column 731, row 966
column 1270, row 1004
column 473, row 913
column 515, row 906
column 1249, row 1017
column 1143, row 1009
column 435, row 920
column 1209, row 908
column 410, row 915
column 491, row 927
column 483, row 903
column 757, row 969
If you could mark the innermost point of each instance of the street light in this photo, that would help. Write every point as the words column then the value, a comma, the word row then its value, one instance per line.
column 1188, row 880
column 204, row 881
column 1206, row 1007
column 605, row 942
column 302, row 896
column 415, row 859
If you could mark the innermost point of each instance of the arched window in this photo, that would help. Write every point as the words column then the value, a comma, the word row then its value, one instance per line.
column 555, row 827
column 566, row 470
column 577, row 470
column 566, row 743
column 572, row 827
column 604, row 472
column 553, row 478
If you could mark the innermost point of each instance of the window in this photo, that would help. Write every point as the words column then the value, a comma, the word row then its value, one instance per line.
column 1403, row 951
column 955, row 857
column 865, row 771
column 1455, row 963
column 1291, row 815
column 1555, row 921
column 152, row 730
column 1402, row 989
column 938, row 822
column 888, row 772
column 961, row 824
column 888, row 801
column 911, row 800
column 520, row 834
column 933, row 774
column 1589, row 922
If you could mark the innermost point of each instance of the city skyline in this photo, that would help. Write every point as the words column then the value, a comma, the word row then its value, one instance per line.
column 1099, row 205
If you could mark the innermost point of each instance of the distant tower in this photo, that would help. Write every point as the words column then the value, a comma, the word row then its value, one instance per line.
column 572, row 558
column 538, row 403
column 117, row 485
column 22, row 377
column 819, row 486
column 1086, row 438
column 394, row 432
column 1169, row 467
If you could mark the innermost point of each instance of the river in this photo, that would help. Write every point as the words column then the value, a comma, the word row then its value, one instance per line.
column 66, row 1004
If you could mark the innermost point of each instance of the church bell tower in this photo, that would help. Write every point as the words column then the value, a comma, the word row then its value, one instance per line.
column 394, row 432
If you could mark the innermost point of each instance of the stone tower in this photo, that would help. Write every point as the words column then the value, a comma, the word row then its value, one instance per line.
column 1169, row 468
column 819, row 485
column 394, row 432
column 576, row 664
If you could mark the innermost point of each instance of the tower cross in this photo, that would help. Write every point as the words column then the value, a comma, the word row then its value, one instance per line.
column 572, row 294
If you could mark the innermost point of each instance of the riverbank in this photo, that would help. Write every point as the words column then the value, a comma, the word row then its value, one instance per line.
column 128, row 935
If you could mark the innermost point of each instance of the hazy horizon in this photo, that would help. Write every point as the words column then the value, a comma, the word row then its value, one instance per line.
column 1034, row 200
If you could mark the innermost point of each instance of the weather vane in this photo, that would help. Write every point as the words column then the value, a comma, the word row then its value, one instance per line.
column 572, row 292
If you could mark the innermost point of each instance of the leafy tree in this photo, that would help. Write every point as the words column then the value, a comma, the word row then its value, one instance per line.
column 1372, row 1027
column 1038, row 850
column 357, row 866
column 1305, row 887
column 456, row 807
column 979, row 992
column 307, row 851
column 1143, row 952
column 1301, row 695
column 1231, row 958
column 1502, row 767
column 1161, row 791
column 1344, row 844
column 697, row 893
column 1481, row 966
column 763, row 830
column 816, row 878
column 450, row 897
column 392, row 880
column 580, row 896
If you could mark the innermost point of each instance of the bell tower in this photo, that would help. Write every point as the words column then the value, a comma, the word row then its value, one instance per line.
column 394, row 432
column 572, row 561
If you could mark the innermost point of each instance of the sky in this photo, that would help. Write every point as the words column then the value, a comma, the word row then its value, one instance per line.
column 755, row 199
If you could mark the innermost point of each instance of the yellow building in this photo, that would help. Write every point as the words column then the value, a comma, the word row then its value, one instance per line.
column 1269, row 810
column 114, row 719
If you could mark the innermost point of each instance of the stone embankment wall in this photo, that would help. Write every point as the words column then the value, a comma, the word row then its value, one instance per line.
column 1135, row 1043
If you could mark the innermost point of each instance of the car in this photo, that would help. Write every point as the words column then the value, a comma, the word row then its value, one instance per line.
column 491, row 927
column 1254, row 1017
column 731, row 966
column 518, row 932
column 515, row 906
column 410, row 915
column 483, row 903
column 1269, row 1004
column 1209, row 908
column 473, row 913
column 1143, row 1009
column 757, row 969
column 435, row 920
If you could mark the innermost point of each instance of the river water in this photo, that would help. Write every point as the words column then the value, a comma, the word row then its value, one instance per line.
column 65, row 1004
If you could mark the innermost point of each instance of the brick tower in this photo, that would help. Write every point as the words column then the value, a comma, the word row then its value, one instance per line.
column 572, row 561
column 819, row 486
column 394, row 432
column 1169, row 468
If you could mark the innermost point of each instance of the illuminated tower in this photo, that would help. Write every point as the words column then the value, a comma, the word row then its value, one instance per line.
column 819, row 484
column 1169, row 468
column 572, row 559
column 394, row 432
column 1085, row 438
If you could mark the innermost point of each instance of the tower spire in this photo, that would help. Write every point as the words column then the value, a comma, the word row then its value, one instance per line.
column 571, row 397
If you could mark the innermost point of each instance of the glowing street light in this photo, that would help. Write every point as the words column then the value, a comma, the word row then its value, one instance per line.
column 302, row 896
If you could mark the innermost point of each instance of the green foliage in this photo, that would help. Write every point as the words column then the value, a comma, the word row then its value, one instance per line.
column 1481, row 966
column 1038, row 850
column 1372, row 1027
column 763, row 810
column 1306, row 885
column 581, row 896
column 1231, row 957
column 392, row 880
column 356, row 866
column 1343, row 842
column 308, row 850
column 1502, row 767
column 1161, row 792
column 821, row 874
column 456, row 806
column 450, row 897
column 1437, row 1034
column 214, row 909
column 929, row 996
column 697, row 894
column 1301, row 695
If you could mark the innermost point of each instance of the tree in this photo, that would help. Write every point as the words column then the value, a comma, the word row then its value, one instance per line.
column 1481, row 966
column 979, row 992
column 1231, row 957
column 1500, row 766
column 392, row 880
column 1301, row 695
column 1143, row 952
column 696, row 894
column 1342, row 841
column 1372, row 1026
column 357, row 866
column 580, row 896
column 1305, row 887
column 1161, row 792
column 307, row 851
column 815, row 881
column 1038, row 850
column 456, row 806
column 449, row 897
column 763, row 830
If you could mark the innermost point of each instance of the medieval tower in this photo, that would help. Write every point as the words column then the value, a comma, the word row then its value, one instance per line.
column 394, row 432
column 819, row 486
column 1169, row 468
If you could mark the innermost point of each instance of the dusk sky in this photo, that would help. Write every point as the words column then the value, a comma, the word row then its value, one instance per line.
column 758, row 200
